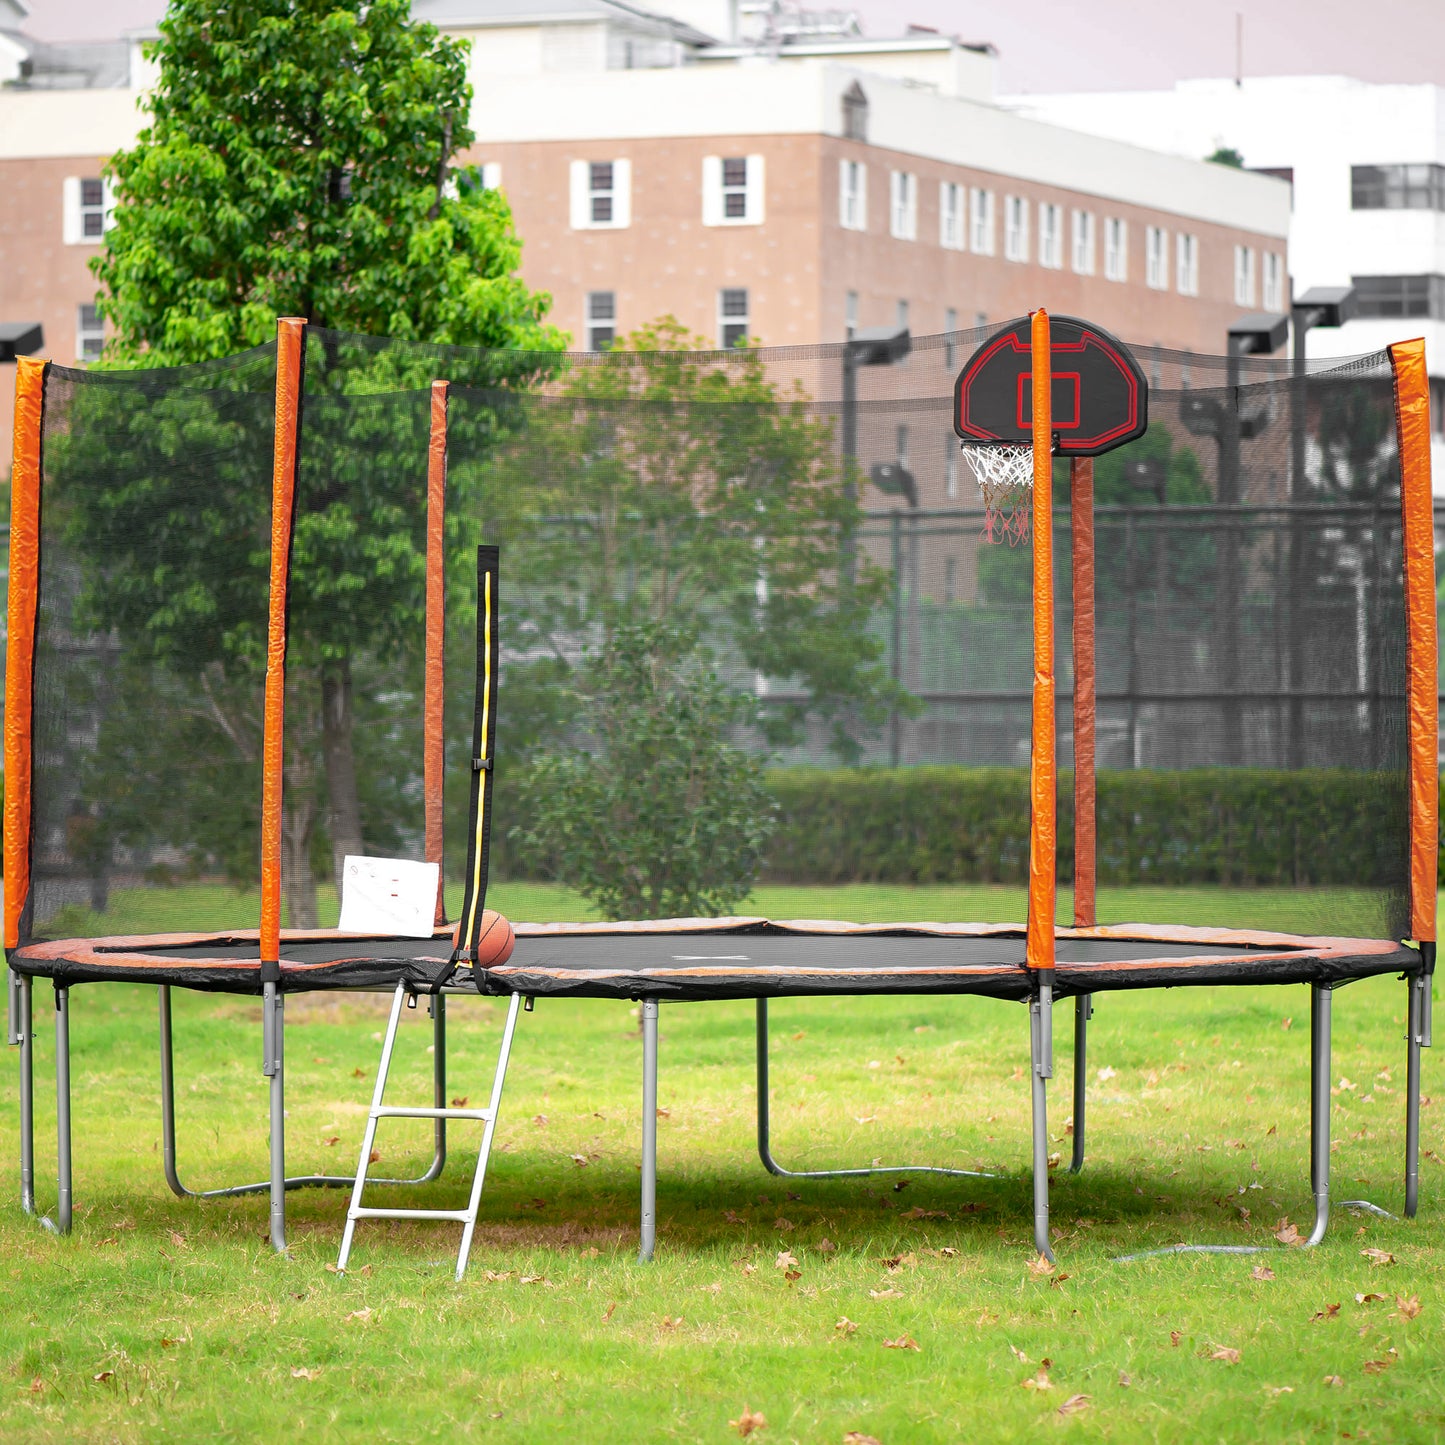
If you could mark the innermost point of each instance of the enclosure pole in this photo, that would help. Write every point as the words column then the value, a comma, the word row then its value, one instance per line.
column 20, row 638
column 648, row 1239
column 433, row 714
column 290, row 346
column 1085, row 706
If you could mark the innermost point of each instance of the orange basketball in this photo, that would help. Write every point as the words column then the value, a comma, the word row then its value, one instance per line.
column 494, row 943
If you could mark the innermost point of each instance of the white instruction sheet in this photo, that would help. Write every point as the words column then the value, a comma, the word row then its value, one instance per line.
column 388, row 895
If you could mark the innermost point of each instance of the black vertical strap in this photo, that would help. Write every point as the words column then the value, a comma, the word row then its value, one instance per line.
column 484, row 737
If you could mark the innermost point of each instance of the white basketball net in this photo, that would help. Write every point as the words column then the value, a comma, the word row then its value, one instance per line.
column 1005, row 476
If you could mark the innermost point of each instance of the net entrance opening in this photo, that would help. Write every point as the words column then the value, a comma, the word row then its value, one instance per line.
column 1005, row 476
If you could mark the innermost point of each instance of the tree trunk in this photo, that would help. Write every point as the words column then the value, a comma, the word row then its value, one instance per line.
column 298, row 823
column 344, row 818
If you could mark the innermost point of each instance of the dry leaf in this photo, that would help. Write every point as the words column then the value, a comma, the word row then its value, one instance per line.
column 179, row 1240
column 1280, row 1389
column 1370, row 1299
column 918, row 1213
column 1334, row 1380
column 1106, row 1073
column 900, row 1261
column 732, row 1216
column 361, row 1314
column 1124, row 1381
column 748, row 1421
column 786, row 1260
column 1041, row 1266
column 889, row 1293
column 826, row 1246
column 540, row 1120
column 495, row 1276
column 786, row 1226
column 301, row 1372
column 1262, row 1272
column 540, row 1279
column 664, row 1113
column 1408, row 1306
column 1039, row 1381
column 331, row 1142
column 1175, row 1338
column 358, row 1073
column 845, row 1326
column 1225, row 1353
column 749, row 1268
column 374, row 1157
column 1328, row 1313
column 668, row 1323
column 1018, row 1354
column 792, row 1274
column 607, row 1313
column 1376, row 1367
column 100, row 1379
column 1288, row 1234
column 857, row 1437
column 1074, row 1404
column 1377, row 1256
column 903, row 1342
column 580, row 1160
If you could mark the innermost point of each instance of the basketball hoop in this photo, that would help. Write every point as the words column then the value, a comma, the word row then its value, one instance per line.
column 1005, row 476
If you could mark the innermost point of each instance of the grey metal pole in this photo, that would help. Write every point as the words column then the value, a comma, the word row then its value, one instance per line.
column 1041, row 1039
column 12, row 1006
column 1083, row 1012
column 1226, row 641
column 648, row 1240
column 1294, row 735
column 1132, row 631
column 437, row 1005
column 1415, row 1035
column 273, row 1028
column 27, row 1098
column 895, row 642
column 1321, row 1000
column 62, row 1109
column 765, row 1149
column 168, row 1094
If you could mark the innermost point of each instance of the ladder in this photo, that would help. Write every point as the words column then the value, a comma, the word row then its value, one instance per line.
column 467, row 1217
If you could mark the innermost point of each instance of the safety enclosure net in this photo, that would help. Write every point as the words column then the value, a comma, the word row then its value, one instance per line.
column 750, row 628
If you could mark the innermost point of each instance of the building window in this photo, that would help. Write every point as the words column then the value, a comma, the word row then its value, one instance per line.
column 1186, row 264
column 980, row 221
column 850, row 314
column 732, row 311
column 1156, row 257
column 1051, row 236
column 601, row 195
column 1243, row 276
column 903, row 205
column 732, row 190
column 1398, row 188
column 87, row 206
column 1015, row 228
column 1400, row 296
column 601, row 319
column 89, row 333
column 853, row 195
column 855, row 113
column 1084, row 242
column 950, row 216
column 1116, row 249
column 950, row 472
column 1273, row 281
column 950, row 347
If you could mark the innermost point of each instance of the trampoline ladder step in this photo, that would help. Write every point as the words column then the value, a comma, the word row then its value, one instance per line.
column 467, row 1217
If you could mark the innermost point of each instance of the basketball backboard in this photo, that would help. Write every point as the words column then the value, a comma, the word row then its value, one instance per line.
column 1100, row 397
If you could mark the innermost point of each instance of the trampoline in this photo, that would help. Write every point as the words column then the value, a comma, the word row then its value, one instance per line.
column 1383, row 731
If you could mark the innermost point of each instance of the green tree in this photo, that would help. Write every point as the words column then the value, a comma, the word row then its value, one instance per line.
column 299, row 160
column 1223, row 155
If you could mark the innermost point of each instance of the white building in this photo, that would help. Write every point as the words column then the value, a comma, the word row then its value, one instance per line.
column 1367, row 167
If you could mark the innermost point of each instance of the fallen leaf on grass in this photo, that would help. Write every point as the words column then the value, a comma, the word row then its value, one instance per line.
column 100, row 1379
column 496, row 1276
column 179, row 1240
column 361, row 1314
column 1370, row 1299
column 540, row 1279
column 664, row 1113
column 1058, row 1279
column 786, row 1260
column 1074, row 1404
column 889, row 1293
column 899, row 1262
column 1041, row 1266
column 1280, row 1389
column 1334, row 1379
column 1018, row 1354
column 1124, row 1381
column 375, row 1156
column 826, row 1246
column 358, row 1073
column 857, row 1437
column 1377, row 1367
column 732, row 1216
column 1407, row 1306
column 785, row 1226
column 1328, row 1313
column 1107, row 1073
column 1377, row 1256
column 540, row 1120
column 668, row 1323
column 1262, row 1272
column 713, row 1288
column 1226, row 1354
column 302, row 1372
column 845, row 1326
column 864, row 1119
column 331, row 1142
column 748, row 1421
column 917, row 1213
column 580, row 1160
column 1287, row 1233
column 903, row 1342
column 607, row 1313
column 1040, row 1381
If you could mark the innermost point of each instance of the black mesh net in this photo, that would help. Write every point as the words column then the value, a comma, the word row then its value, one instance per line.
column 722, row 631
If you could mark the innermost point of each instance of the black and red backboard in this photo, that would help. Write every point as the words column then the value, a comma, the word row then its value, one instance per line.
column 1100, row 397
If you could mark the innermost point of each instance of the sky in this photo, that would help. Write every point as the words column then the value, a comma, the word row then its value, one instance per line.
column 1052, row 45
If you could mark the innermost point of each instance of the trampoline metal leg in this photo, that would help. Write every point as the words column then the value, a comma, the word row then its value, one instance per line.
column 649, row 1131
column 1321, row 1008
column 12, row 1006
column 61, row 1222
column 765, row 1148
column 273, row 1043
column 27, row 1098
column 1083, row 1012
column 437, row 1007
column 1041, row 1030
column 1415, row 1039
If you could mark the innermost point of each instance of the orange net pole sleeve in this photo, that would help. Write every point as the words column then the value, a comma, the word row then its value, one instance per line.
column 1085, row 712
column 1043, row 769
column 1412, row 421
column 20, row 638
column 433, row 709
column 290, row 344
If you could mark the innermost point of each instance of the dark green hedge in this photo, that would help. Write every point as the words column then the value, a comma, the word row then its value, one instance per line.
column 1224, row 825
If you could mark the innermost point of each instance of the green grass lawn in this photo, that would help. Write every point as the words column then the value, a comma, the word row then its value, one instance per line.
column 167, row 1318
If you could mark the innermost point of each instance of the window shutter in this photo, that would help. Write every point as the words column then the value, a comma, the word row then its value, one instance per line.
column 492, row 175
column 712, row 196
column 757, row 190
column 862, row 197
column 581, row 214
column 70, row 227
column 621, row 193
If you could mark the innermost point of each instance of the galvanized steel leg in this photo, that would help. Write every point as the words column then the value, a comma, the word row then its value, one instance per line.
column 273, row 1028
column 1321, row 1005
column 27, row 1097
column 1416, row 1039
column 1041, row 1039
column 437, row 1007
column 62, row 1112
column 649, row 1131
column 1083, row 1012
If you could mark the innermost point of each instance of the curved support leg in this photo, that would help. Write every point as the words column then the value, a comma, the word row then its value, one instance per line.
column 26, row 1028
column 765, row 1148
column 1041, row 1041
column 1083, row 1012
column 648, row 1241
column 295, row 1181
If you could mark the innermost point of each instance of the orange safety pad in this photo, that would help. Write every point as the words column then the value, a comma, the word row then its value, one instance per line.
column 20, row 638
column 1085, row 712
column 290, row 340
column 434, row 695
column 1412, row 421
column 1043, row 767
